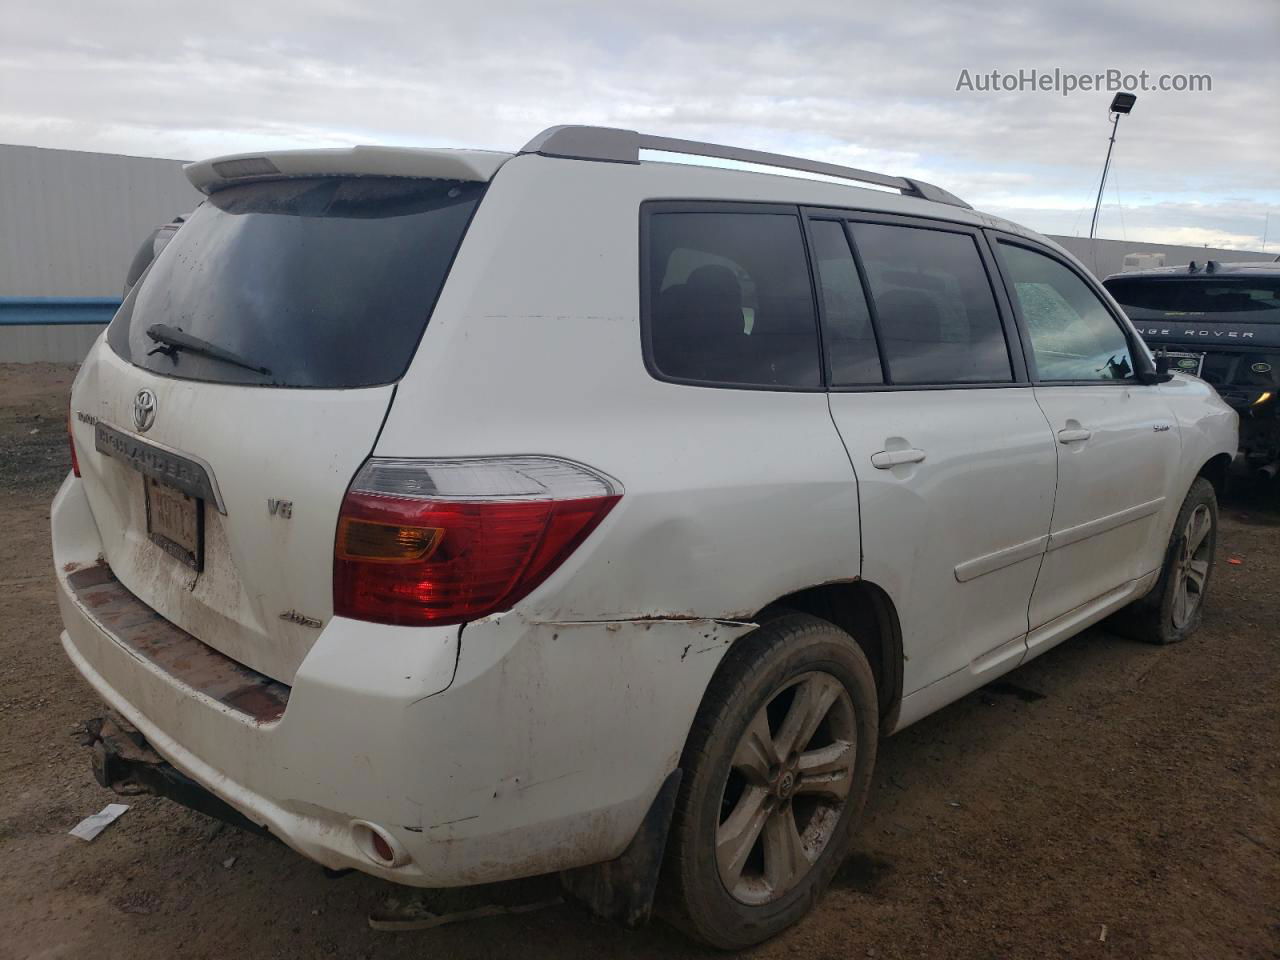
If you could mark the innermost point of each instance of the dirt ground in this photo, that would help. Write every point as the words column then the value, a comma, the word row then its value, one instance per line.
column 1107, row 800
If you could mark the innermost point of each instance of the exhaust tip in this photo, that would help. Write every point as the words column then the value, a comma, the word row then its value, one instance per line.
column 378, row 844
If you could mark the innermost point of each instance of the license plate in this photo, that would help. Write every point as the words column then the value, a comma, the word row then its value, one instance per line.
column 175, row 522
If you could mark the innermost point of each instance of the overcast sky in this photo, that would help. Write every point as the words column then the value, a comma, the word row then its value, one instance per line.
column 870, row 84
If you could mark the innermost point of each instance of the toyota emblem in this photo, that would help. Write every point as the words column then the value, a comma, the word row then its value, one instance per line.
column 144, row 410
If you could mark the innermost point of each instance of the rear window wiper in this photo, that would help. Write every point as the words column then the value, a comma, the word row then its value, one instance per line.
column 172, row 340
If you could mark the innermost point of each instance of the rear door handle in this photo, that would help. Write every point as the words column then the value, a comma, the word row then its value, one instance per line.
column 887, row 459
column 1074, row 435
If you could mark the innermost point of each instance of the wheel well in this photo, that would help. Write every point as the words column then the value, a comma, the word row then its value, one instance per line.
column 1215, row 471
column 865, row 612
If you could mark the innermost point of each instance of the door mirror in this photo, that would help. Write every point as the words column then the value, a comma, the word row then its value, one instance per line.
column 1157, row 374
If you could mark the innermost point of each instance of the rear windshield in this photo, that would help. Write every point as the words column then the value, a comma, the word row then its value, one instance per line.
column 1247, row 299
column 324, row 282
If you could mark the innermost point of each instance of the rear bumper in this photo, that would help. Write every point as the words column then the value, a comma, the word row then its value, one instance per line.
column 124, row 762
column 520, row 749
column 1260, row 436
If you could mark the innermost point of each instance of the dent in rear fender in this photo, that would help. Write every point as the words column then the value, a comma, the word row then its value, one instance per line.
column 381, row 662
column 572, row 726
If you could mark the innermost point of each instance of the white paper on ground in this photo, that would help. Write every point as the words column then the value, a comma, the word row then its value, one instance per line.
column 90, row 827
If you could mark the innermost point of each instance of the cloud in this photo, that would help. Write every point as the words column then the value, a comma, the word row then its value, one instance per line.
column 833, row 80
column 1194, row 237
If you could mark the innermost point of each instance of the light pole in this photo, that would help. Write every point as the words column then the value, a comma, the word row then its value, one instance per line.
column 1122, row 103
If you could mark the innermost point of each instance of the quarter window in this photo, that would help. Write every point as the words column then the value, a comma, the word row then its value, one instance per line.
column 730, row 301
column 1073, row 335
column 935, row 312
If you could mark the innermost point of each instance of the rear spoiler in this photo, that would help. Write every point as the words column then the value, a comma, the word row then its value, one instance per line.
column 209, row 176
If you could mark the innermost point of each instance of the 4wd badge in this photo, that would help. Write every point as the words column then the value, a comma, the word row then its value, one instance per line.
column 301, row 619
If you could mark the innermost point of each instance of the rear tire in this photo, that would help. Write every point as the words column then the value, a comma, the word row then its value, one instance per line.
column 776, row 771
column 1172, row 611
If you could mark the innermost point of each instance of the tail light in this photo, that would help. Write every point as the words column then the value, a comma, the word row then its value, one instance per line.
column 71, row 441
column 433, row 542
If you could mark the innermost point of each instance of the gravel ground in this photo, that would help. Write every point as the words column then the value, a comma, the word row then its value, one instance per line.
column 1107, row 800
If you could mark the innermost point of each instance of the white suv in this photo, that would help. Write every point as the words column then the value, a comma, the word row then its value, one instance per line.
column 459, row 516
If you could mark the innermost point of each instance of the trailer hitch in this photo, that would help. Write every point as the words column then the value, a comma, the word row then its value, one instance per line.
column 125, row 763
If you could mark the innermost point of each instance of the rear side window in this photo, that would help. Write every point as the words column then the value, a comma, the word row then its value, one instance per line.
column 322, row 282
column 935, row 311
column 1073, row 335
column 729, row 300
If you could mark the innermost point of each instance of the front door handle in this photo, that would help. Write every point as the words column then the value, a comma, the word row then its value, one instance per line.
column 887, row 459
column 1074, row 435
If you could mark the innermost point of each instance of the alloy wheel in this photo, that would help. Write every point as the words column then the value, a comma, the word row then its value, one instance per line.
column 1192, row 566
column 786, row 789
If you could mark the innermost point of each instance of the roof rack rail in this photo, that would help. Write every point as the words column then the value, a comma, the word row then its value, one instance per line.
column 615, row 145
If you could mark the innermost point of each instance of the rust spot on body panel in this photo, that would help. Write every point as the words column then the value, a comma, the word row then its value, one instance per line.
column 92, row 576
column 191, row 662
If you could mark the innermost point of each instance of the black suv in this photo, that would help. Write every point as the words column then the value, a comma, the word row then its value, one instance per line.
column 1221, row 321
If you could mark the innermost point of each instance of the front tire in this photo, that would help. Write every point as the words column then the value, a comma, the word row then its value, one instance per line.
column 1172, row 611
column 776, row 771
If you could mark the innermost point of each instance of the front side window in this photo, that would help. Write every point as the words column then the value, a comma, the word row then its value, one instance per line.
column 729, row 300
column 1073, row 335
column 935, row 312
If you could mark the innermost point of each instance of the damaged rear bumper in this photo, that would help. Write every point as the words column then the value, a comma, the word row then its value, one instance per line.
column 124, row 763
column 517, row 749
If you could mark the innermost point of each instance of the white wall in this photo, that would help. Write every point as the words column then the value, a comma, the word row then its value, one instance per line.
column 61, row 343
column 70, row 222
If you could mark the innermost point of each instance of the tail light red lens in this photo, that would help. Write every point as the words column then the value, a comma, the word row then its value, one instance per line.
column 71, row 441
column 433, row 542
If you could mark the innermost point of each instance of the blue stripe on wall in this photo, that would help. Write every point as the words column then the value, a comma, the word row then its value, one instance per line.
column 49, row 311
